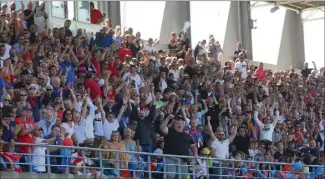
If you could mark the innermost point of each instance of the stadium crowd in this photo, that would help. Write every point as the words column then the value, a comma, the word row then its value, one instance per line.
column 115, row 91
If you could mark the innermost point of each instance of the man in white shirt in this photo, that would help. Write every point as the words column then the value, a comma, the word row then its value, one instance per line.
column 112, row 123
column 133, row 77
column 266, row 128
column 150, row 46
column 241, row 66
column 220, row 148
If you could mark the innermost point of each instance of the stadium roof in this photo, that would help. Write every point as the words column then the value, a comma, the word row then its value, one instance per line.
column 297, row 6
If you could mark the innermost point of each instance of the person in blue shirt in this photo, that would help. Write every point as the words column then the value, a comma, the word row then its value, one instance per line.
column 7, row 125
column 68, row 65
column 47, row 122
column 2, row 85
column 56, row 132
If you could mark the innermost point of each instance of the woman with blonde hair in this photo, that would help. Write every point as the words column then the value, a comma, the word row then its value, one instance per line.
column 130, row 145
column 120, row 162
column 117, row 36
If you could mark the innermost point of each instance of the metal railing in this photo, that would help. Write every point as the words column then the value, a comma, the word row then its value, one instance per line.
column 150, row 165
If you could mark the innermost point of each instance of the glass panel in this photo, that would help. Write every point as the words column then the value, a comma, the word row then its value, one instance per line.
column 63, row 9
column 83, row 11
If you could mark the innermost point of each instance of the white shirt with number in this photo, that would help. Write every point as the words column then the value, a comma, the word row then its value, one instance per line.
column 242, row 67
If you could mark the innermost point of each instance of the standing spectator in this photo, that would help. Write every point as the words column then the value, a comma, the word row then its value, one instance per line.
column 96, row 17
column 266, row 128
column 176, row 143
column 29, row 14
column 241, row 66
column 306, row 71
column 144, row 130
column 92, row 87
column 25, row 126
column 56, row 135
column 220, row 148
column 47, row 122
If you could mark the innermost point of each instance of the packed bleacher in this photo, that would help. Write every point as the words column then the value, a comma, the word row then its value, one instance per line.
column 117, row 92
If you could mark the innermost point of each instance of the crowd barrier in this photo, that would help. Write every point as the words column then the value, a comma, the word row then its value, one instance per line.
column 147, row 165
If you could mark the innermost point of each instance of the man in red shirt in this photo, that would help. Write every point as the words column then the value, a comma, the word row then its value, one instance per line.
column 92, row 87
column 25, row 127
column 123, row 52
column 110, row 66
column 96, row 17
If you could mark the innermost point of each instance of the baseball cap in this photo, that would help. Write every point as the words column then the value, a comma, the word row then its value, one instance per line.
column 4, row 5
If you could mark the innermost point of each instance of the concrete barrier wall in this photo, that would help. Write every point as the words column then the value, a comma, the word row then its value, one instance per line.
column 15, row 175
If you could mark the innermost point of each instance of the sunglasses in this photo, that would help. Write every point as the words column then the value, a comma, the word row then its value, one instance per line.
column 6, row 100
column 23, row 94
column 49, row 89
column 32, row 89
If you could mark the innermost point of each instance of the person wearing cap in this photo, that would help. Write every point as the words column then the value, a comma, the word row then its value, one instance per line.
column 4, row 9
column 176, row 143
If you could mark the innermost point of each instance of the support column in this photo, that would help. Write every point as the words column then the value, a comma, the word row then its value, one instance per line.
column 175, row 14
column 238, row 29
column 292, row 50
column 246, row 27
column 114, row 12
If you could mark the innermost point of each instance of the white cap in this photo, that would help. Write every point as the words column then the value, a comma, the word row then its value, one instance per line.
column 101, row 82
column 32, row 86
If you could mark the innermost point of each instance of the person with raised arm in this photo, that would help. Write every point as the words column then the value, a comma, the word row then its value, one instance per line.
column 220, row 148
column 177, row 142
column 267, row 127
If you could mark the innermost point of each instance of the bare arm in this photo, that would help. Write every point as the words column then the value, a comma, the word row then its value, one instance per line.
column 276, row 118
column 233, row 135
column 163, row 125
column 256, row 119
column 213, row 137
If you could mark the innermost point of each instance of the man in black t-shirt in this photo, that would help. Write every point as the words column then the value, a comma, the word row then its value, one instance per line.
column 29, row 15
column 177, row 142
column 306, row 71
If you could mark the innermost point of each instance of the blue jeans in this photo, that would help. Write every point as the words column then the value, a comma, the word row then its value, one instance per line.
column 216, row 170
column 146, row 148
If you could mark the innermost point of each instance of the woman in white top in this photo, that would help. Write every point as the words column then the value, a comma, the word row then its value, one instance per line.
column 67, row 123
column 79, row 127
